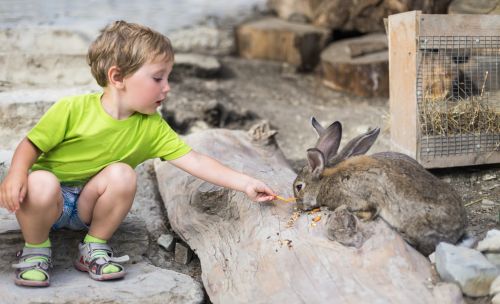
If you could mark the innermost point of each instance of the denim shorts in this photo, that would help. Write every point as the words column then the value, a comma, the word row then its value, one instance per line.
column 69, row 217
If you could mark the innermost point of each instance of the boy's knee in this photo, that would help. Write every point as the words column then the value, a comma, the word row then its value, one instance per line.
column 43, row 188
column 123, row 175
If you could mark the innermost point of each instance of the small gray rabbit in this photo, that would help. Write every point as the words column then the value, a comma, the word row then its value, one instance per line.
column 424, row 209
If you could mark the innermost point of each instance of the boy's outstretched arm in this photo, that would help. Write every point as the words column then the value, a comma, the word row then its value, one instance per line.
column 15, row 185
column 212, row 171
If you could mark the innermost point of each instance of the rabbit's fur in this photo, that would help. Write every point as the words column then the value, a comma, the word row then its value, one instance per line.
column 424, row 209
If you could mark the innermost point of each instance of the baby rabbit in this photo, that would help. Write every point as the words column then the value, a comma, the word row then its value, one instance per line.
column 424, row 209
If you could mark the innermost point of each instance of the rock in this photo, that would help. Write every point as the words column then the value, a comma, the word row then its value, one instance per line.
column 495, row 286
column 202, row 66
column 491, row 243
column 203, row 40
column 494, row 258
column 166, row 241
column 131, row 238
column 148, row 205
column 466, row 267
column 143, row 284
column 45, row 69
column 432, row 258
column 488, row 177
column 183, row 254
column 44, row 40
column 21, row 109
column 357, row 66
column 275, row 39
column 184, row 114
column 448, row 293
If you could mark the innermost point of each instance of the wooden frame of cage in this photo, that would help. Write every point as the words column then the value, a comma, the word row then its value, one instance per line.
column 403, row 32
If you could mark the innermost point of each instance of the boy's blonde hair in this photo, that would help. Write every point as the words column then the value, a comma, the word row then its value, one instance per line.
column 127, row 46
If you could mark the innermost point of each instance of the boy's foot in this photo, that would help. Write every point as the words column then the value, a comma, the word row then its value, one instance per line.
column 33, row 267
column 98, row 260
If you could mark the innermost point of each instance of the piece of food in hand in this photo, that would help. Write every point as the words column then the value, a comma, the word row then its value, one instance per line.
column 287, row 200
column 317, row 219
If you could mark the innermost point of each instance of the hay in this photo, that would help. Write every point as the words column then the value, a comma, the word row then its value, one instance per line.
column 466, row 116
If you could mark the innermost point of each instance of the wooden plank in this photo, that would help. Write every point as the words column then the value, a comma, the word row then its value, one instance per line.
column 402, row 31
column 461, row 160
column 459, row 25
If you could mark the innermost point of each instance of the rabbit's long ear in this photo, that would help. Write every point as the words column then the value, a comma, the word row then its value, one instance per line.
column 360, row 145
column 329, row 140
column 317, row 127
column 316, row 161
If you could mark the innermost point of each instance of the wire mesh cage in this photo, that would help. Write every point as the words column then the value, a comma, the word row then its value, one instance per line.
column 452, row 76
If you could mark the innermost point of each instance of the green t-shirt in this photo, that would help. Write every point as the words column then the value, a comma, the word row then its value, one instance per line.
column 78, row 139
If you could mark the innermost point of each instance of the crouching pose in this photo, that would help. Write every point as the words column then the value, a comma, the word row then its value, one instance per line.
column 75, row 168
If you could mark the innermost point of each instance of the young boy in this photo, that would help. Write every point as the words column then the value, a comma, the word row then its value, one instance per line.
column 75, row 167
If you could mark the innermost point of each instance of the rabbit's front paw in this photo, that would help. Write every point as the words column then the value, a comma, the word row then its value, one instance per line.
column 343, row 227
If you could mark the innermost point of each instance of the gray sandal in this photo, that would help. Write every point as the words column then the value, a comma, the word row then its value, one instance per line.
column 23, row 266
column 94, row 266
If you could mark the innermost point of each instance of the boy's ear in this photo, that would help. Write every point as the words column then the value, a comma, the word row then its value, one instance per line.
column 115, row 77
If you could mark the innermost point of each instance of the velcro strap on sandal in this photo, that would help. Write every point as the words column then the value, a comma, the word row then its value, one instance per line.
column 45, row 252
column 39, row 264
column 28, row 253
column 97, row 246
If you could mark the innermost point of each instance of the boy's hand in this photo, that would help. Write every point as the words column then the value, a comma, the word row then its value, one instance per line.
column 257, row 191
column 13, row 190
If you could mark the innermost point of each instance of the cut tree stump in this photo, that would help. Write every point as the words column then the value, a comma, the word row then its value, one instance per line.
column 358, row 66
column 276, row 39
column 474, row 7
column 261, row 253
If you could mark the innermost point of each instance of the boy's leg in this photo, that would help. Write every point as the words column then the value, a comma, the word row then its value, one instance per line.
column 104, row 202
column 106, row 199
column 40, row 209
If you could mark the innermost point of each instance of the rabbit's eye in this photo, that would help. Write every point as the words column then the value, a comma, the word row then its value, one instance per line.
column 299, row 186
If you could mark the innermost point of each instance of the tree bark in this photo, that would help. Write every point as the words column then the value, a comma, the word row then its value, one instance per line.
column 254, row 253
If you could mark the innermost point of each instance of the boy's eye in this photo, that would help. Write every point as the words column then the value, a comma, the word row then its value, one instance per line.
column 157, row 79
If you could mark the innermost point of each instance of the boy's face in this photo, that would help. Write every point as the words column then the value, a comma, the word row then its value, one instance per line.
column 147, row 88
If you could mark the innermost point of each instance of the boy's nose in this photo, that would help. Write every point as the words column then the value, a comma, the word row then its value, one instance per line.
column 166, row 88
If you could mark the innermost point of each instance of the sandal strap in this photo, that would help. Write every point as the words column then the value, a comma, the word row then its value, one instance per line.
column 32, row 265
column 45, row 252
column 91, row 247
column 29, row 253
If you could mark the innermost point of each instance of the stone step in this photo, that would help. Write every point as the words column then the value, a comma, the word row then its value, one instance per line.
column 131, row 238
column 276, row 39
column 21, row 109
column 143, row 283
column 43, row 40
column 44, row 69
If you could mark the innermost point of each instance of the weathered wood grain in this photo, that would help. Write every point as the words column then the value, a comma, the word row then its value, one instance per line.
column 249, row 254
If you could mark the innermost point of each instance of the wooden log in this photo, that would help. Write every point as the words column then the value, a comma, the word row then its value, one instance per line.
column 358, row 66
column 474, row 7
column 261, row 252
column 275, row 39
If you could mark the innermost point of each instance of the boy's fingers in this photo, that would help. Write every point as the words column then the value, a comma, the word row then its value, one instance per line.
column 22, row 194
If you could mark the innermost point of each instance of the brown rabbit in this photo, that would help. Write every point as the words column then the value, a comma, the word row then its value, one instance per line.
column 424, row 209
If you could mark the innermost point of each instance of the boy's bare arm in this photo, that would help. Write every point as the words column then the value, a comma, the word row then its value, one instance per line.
column 14, row 187
column 211, row 170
